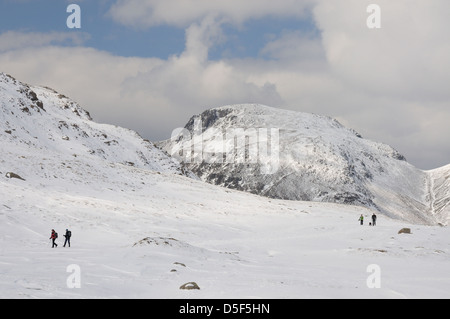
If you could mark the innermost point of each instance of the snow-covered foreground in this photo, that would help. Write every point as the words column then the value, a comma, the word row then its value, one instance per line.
column 232, row 244
column 142, row 228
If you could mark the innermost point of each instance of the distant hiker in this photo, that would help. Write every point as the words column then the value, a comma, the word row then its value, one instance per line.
column 374, row 219
column 361, row 219
column 53, row 237
column 67, row 235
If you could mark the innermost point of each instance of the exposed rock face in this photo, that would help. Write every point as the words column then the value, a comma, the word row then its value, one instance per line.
column 297, row 156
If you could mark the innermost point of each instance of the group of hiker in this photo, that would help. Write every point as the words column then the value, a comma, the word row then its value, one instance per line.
column 374, row 220
column 54, row 236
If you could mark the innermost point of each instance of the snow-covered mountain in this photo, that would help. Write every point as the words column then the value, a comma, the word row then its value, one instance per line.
column 439, row 192
column 271, row 152
column 142, row 228
column 38, row 123
column 297, row 156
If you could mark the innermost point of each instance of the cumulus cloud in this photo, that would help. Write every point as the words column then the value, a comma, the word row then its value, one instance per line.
column 91, row 77
column 147, row 13
column 407, row 57
column 189, row 83
column 400, row 71
column 150, row 95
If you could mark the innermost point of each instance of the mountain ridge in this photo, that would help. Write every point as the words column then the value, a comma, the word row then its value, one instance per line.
column 39, row 119
column 270, row 152
column 319, row 160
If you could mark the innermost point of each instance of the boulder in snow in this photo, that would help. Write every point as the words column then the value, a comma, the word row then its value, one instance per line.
column 13, row 175
column 190, row 285
column 405, row 231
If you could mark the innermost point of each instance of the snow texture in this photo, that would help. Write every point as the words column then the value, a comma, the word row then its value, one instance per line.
column 319, row 160
column 143, row 226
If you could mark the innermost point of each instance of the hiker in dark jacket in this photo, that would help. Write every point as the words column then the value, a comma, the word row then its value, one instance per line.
column 67, row 235
column 374, row 219
column 53, row 237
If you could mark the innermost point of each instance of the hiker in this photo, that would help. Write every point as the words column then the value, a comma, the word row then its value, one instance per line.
column 67, row 235
column 374, row 219
column 361, row 219
column 53, row 237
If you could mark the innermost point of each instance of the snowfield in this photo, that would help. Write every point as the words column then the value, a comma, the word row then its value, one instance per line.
column 143, row 225
column 146, row 242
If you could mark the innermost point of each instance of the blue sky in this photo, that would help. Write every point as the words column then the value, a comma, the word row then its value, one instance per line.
column 149, row 65
column 159, row 41
column 104, row 33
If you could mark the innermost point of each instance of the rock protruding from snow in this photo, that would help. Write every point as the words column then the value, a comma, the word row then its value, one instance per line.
column 405, row 230
column 14, row 175
column 190, row 286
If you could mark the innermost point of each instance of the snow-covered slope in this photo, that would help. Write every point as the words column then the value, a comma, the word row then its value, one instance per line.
column 144, row 230
column 439, row 192
column 143, row 234
column 309, row 157
column 39, row 121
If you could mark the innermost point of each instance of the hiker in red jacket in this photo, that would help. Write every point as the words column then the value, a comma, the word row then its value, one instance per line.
column 53, row 237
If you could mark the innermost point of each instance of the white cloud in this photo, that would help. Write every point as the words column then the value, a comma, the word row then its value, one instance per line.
column 408, row 57
column 147, row 13
column 150, row 95
column 91, row 77
column 398, row 75
column 12, row 40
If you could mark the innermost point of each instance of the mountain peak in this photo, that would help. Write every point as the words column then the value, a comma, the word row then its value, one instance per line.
column 40, row 121
column 300, row 156
column 31, row 99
